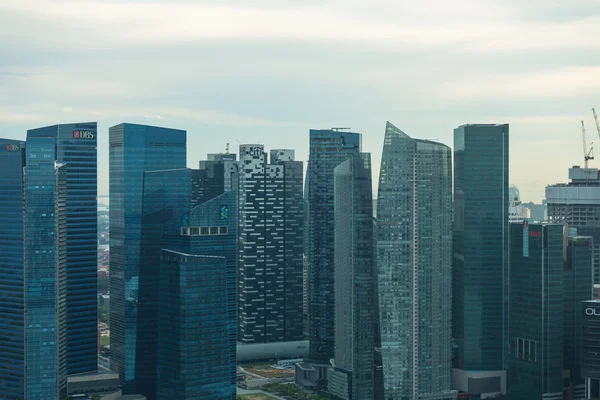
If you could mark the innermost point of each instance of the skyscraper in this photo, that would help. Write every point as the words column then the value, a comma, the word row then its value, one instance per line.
column 45, row 272
column 167, row 194
column 12, row 307
column 414, row 253
column 210, row 229
column 270, row 246
column 76, row 147
column 536, row 311
column 134, row 150
column 480, row 266
column 212, row 178
column 328, row 149
column 577, row 204
column 352, row 377
column 193, row 356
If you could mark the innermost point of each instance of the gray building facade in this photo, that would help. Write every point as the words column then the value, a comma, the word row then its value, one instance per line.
column 352, row 376
column 270, row 248
column 414, row 260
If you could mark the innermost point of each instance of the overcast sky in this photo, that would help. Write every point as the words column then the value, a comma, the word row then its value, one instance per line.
column 266, row 71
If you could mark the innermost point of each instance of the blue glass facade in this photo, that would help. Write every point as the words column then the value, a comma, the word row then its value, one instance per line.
column 12, row 311
column 45, row 357
column 210, row 229
column 167, row 194
column 134, row 150
column 536, row 311
column 193, row 357
column 328, row 149
column 76, row 146
column 480, row 260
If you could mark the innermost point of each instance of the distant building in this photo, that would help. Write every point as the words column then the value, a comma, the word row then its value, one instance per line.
column 133, row 150
column 352, row 376
column 550, row 274
column 577, row 204
column 76, row 147
column 12, row 290
column 590, row 337
column 193, row 346
column 213, row 177
column 480, row 267
column 414, row 248
column 45, row 272
column 328, row 149
column 517, row 212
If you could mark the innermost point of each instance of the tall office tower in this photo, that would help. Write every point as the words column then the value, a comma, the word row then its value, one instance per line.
column 193, row 352
column 45, row 272
column 134, row 150
column 480, row 266
column 590, row 337
column 328, row 149
column 76, row 146
column 577, row 204
column 209, row 229
column 12, row 307
column 209, row 181
column 536, row 311
column 352, row 376
column 578, row 287
column 166, row 195
column 270, row 246
column 414, row 258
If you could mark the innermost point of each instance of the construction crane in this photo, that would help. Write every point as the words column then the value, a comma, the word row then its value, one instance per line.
column 596, row 119
column 586, row 155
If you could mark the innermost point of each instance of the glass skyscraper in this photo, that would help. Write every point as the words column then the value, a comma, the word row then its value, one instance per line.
column 328, row 149
column 134, row 150
column 209, row 229
column 167, row 194
column 414, row 253
column 352, row 377
column 12, row 307
column 193, row 357
column 212, row 178
column 480, row 262
column 44, row 272
column 76, row 146
column 536, row 311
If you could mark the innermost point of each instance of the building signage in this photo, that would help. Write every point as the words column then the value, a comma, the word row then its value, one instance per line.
column 535, row 234
column 224, row 212
column 13, row 147
column 592, row 311
column 83, row 135
column 254, row 151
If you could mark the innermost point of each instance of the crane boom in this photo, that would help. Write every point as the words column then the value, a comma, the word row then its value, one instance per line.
column 596, row 119
column 586, row 155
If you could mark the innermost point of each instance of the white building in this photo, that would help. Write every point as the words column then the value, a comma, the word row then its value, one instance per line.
column 516, row 211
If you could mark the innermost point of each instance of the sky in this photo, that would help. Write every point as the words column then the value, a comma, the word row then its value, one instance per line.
column 267, row 71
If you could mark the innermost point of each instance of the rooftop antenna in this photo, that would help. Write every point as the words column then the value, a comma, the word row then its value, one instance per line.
column 227, row 149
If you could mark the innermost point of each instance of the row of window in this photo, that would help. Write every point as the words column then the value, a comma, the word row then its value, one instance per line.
column 204, row 231
column 526, row 349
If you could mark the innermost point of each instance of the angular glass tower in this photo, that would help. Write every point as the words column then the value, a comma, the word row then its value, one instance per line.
column 211, row 229
column 210, row 180
column 414, row 259
column 134, row 150
column 45, row 273
column 480, row 262
column 193, row 356
column 167, row 194
column 352, row 377
column 536, row 311
column 12, row 307
column 76, row 147
column 328, row 149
